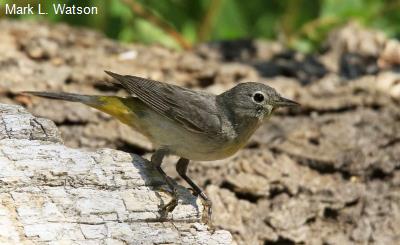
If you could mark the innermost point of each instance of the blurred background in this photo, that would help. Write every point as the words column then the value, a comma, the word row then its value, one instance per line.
column 327, row 172
column 300, row 24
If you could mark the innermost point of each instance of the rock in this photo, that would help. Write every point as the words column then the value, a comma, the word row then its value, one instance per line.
column 51, row 193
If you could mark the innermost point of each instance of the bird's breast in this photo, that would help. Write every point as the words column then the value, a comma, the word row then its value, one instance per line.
column 169, row 134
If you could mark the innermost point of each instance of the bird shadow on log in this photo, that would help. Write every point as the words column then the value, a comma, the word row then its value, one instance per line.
column 153, row 179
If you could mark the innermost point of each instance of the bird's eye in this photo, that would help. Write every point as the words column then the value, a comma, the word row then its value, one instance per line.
column 258, row 97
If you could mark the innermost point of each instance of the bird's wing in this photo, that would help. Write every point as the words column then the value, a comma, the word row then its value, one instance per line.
column 195, row 111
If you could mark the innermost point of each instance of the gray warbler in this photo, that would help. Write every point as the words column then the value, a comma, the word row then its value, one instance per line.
column 190, row 124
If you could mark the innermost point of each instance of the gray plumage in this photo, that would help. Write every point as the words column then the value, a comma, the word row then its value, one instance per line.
column 196, row 111
column 217, row 125
column 190, row 124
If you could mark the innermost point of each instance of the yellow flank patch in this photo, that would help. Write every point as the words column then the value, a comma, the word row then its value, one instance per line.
column 116, row 107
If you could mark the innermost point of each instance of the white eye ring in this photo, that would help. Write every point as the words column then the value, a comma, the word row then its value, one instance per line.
column 258, row 97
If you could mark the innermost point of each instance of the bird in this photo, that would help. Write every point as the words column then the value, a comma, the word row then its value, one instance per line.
column 193, row 125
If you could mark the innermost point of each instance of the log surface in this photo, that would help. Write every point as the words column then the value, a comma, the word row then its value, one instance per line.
column 51, row 193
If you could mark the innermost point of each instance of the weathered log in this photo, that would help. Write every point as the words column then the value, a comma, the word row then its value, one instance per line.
column 51, row 193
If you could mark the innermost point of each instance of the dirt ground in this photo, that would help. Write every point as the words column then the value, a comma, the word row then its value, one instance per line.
column 325, row 173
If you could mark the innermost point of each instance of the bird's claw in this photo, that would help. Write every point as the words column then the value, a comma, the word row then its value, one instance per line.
column 207, row 211
column 170, row 206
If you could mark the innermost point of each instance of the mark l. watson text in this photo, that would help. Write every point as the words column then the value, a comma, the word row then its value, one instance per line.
column 58, row 9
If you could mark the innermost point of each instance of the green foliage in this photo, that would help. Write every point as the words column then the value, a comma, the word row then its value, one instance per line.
column 302, row 24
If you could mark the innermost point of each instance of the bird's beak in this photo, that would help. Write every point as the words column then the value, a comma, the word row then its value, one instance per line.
column 283, row 102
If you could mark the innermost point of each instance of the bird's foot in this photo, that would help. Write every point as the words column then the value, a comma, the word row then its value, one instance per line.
column 170, row 206
column 207, row 211
column 172, row 191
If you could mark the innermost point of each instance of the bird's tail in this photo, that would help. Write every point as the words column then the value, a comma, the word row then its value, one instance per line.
column 85, row 99
column 120, row 108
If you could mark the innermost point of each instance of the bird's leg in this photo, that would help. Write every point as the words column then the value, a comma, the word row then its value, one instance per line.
column 181, row 168
column 156, row 160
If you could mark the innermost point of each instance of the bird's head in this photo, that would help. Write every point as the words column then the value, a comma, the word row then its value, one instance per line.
column 254, row 100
